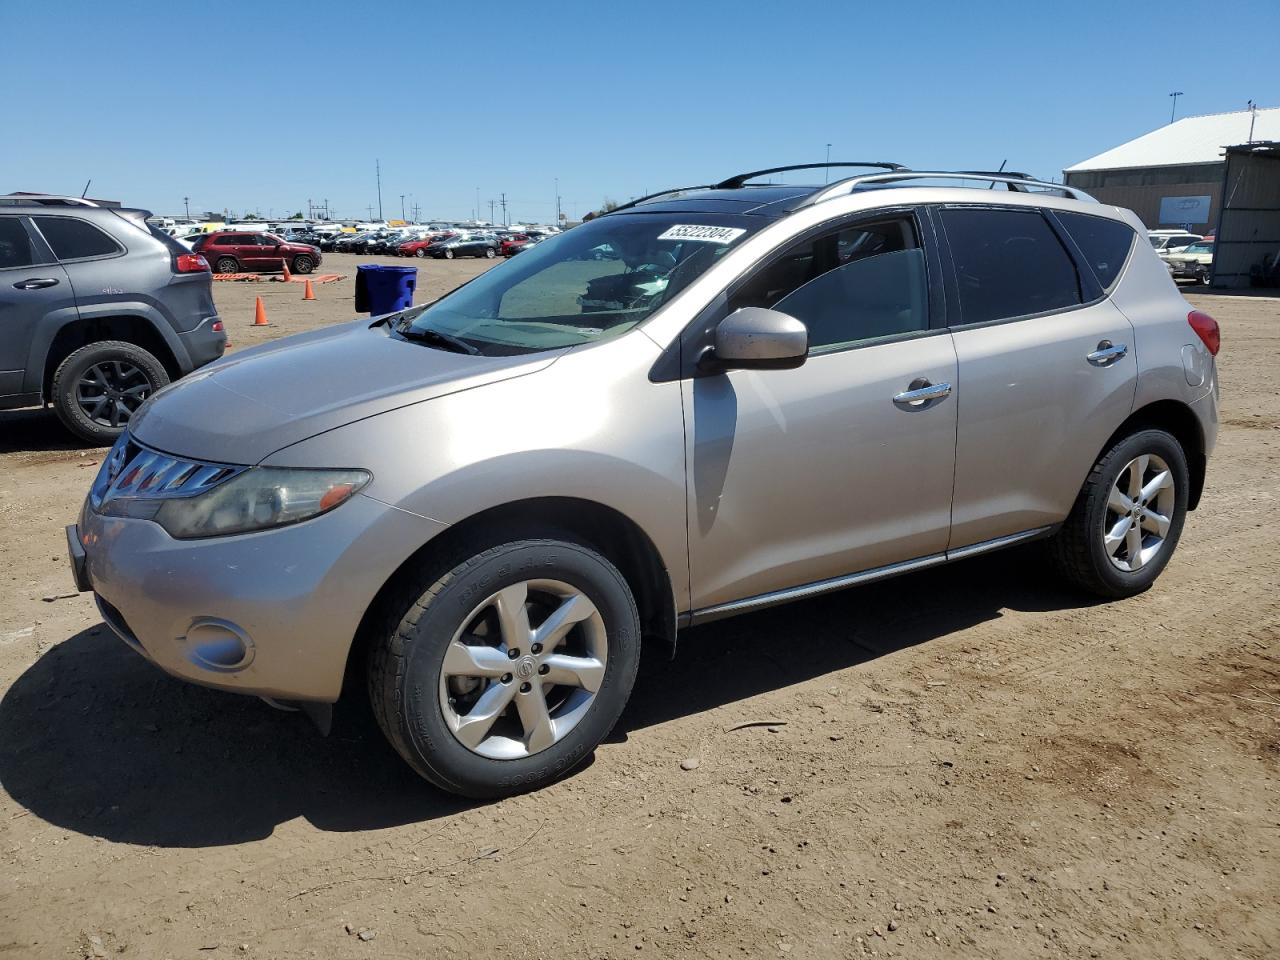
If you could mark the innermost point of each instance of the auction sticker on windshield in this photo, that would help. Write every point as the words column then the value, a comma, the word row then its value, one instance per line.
column 686, row 231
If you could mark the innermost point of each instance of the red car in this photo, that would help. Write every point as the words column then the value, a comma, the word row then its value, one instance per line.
column 231, row 251
column 418, row 248
column 513, row 245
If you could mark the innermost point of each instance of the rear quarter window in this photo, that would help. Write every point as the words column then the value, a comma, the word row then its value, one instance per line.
column 72, row 239
column 15, row 245
column 1105, row 243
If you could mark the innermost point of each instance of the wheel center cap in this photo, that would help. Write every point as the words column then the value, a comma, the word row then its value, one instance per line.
column 526, row 667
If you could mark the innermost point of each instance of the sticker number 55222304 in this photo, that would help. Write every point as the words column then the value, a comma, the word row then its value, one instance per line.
column 686, row 231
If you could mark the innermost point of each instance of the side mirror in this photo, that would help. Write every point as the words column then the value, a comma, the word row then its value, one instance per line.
column 754, row 338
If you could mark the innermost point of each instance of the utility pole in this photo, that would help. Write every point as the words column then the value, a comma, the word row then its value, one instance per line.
column 557, row 223
column 402, row 206
column 186, row 202
column 326, row 208
column 504, row 209
column 1176, row 94
column 369, row 209
column 491, row 203
column 475, row 212
column 827, row 174
column 378, row 168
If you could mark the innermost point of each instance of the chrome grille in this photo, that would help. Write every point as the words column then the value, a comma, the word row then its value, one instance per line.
column 134, row 471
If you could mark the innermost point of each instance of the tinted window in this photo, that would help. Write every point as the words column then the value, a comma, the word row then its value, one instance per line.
column 1009, row 263
column 73, row 239
column 855, row 284
column 1104, row 243
column 15, row 245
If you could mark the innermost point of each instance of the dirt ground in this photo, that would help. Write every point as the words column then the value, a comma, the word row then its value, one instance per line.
column 970, row 761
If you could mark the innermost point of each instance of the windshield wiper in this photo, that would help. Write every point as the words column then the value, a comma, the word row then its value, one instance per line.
column 443, row 341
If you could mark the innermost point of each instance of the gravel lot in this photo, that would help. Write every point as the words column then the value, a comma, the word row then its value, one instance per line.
column 971, row 761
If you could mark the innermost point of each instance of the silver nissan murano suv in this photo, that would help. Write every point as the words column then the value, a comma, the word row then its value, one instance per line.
column 484, row 504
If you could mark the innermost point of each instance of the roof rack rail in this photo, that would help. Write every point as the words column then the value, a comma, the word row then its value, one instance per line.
column 1014, row 181
column 740, row 180
column 660, row 193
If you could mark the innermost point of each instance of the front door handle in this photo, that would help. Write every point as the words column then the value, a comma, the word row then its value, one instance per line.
column 1107, row 353
column 920, row 391
column 37, row 283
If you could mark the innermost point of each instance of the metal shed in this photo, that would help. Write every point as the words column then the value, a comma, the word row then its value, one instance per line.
column 1247, row 248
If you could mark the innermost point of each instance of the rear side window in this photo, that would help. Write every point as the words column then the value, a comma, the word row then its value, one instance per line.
column 860, row 283
column 15, row 245
column 73, row 239
column 1009, row 263
column 1105, row 243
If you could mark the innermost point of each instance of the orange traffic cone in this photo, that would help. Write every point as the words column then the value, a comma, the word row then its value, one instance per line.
column 287, row 275
column 260, row 314
column 307, row 292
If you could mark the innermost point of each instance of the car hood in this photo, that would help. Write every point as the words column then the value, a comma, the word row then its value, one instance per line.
column 246, row 407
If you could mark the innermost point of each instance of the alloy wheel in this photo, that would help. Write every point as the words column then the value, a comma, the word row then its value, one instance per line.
column 1139, row 512
column 523, row 670
column 110, row 392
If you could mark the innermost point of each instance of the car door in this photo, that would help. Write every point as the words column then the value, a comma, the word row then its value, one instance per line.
column 266, row 252
column 31, row 288
column 799, row 476
column 1047, row 363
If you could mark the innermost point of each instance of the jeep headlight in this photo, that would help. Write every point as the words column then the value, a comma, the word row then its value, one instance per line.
column 257, row 499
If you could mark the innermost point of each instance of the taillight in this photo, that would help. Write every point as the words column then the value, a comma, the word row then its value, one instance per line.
column 216, row 326
column 1206, row 329
column 189, row 263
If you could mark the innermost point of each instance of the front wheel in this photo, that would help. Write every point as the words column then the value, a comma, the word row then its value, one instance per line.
column 448, row 254
column 420, row 253
column 489, row 254
column 1128, row 517
column 506, row 672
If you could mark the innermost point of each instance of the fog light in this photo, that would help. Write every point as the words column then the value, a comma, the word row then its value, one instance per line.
column 218, row 645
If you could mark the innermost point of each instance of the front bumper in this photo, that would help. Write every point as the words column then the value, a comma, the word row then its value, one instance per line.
column 271, row 613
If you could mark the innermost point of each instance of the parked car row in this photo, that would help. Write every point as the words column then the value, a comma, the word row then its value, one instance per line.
column 441, row 244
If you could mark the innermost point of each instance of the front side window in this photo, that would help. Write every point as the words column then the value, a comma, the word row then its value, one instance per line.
column 15, row 245
column 72, row 239
column 1105, row 243
column 860, row 283
column 1200, row 248
column 590, row 283
column 1008, row 263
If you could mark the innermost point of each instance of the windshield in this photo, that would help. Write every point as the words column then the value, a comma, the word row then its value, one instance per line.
column 590, row 283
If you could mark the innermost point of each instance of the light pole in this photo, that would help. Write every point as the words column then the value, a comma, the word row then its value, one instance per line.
column 378, row 168
column 186, row 202
column 402, row 206
column 1175, row 95
column 557, row 223
column 826, row 176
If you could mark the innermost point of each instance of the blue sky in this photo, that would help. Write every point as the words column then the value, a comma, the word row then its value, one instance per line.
column 264, row 105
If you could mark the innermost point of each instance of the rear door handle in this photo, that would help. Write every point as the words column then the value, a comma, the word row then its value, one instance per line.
column 37, row 283
column 920, row 391
column 1107, row 353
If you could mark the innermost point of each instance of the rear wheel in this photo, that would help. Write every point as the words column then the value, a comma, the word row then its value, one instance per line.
column 226, row 265
column 303, row 264
column 507, row 671
column 489, row 254
column 98, row 388
column 1128, row 517
column 420, row 253
column 448, row 254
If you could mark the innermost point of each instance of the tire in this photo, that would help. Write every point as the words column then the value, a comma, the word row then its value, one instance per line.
column 413, row 685
column 101, row 383
column 488, row 253
column 448, row 254
column 1080, row 550
column 303, row 264
column 420, row 253
column 226, row 265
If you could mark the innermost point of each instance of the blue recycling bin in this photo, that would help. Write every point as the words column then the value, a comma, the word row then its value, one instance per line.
column 384, row 289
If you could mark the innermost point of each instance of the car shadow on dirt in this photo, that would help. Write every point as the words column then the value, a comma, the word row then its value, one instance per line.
column 98, row 741
column 36, row 430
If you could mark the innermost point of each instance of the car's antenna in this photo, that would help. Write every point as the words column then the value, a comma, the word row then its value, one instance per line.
column 86, row 187
column 1001, row 170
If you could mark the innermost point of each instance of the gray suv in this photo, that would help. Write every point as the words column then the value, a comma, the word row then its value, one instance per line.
column 704, row 403
column 98, row 310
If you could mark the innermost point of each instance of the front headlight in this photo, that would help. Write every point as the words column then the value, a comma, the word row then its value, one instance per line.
column 258, row 498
